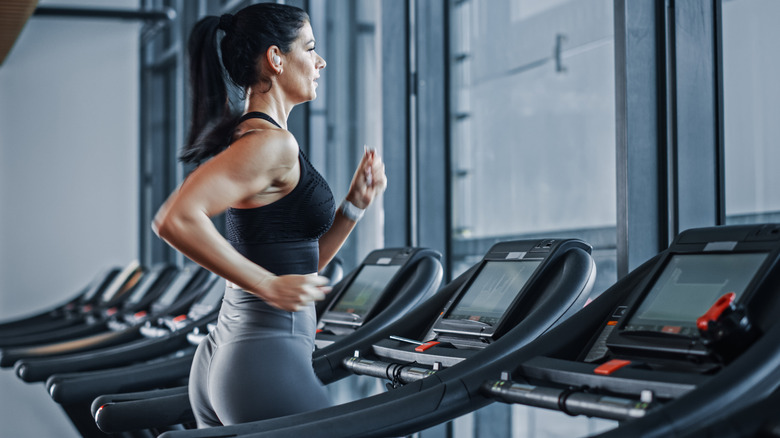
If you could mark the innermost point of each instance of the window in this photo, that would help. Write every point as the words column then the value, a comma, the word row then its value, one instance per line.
column 532, row 125
column 532, row 129
column 751, row 94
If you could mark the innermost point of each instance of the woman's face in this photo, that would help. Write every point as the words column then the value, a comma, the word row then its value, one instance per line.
column 301, row 67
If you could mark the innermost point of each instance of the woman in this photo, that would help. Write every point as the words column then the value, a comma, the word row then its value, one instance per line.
column 282, row 224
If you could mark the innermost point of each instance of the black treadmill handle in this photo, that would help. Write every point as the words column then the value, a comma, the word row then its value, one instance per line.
column 84, row 387
column 44, row 325
column 30, row 322
column 385, row 411
column 62, row 334
column 104, row 399
column 37, row 370
column 134, row 415
column 571, row 402
column 9, row 356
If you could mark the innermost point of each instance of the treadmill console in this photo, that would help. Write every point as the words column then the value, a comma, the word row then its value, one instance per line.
column 368, row 291
column 143, row 289
column 678, row 322
column 207, row 306
column 702, row 302
column 483, row 306
column 502, row 290
column 173, row 290
column 498, row 295
column 143, row 286
column 361, row 295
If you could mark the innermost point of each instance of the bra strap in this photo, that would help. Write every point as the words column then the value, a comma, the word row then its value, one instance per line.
column 258, row 115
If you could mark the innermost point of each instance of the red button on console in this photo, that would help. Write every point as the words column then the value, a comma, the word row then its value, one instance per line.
column 610, row 367
column 425, row 346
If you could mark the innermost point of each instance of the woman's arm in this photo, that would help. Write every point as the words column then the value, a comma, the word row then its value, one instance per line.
column 368, row 182
column 250, row 166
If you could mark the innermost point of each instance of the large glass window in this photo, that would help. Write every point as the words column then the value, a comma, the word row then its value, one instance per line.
column 532, row 128
column 532, row 125
column 751, row 101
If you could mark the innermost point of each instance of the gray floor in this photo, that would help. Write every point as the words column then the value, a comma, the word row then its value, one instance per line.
column 27, row 411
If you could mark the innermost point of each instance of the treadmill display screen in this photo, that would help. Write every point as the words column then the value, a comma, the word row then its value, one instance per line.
column 493, row 291
column 174, row 289
column 143, row 287
column 687, row 288
column 365, row 289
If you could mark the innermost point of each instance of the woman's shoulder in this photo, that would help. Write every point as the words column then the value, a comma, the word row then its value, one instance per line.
column 269, row 144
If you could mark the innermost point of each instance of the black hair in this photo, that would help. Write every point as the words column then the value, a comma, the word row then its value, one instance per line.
column 247, row 36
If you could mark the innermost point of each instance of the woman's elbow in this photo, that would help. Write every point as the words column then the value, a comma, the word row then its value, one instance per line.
column 156, row 224
column 158, row 227
column 164, row 226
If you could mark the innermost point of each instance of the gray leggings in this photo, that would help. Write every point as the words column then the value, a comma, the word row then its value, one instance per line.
column 255, row 365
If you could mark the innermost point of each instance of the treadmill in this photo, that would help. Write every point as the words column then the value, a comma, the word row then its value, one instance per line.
column 162, row 355
column 388, row 284
column 518, row 291
column 105, row 291
column 687, row 338
column 61, row 315
column 161, row 358
column 35, row 363
column 96, row 319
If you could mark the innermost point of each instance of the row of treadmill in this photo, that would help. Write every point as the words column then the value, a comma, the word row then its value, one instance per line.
column 685, row 345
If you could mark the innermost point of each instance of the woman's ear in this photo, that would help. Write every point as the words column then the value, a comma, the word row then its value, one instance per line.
column 274, row 58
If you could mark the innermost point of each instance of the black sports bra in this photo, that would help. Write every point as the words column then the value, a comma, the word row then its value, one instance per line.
column 283, row 236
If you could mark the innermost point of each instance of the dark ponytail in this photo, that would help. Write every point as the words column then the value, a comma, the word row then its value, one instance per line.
column 211, row 120
column 248, row 34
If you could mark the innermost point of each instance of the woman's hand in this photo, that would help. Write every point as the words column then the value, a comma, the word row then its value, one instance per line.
column 369, row 180
column 291, row 292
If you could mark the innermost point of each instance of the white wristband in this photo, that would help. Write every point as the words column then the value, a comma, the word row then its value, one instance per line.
column 351, row 211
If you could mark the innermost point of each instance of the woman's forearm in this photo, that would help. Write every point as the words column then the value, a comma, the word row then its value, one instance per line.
column 331, row 242
column 197, row 238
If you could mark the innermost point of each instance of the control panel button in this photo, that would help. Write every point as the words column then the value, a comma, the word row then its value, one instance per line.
column 610, row 367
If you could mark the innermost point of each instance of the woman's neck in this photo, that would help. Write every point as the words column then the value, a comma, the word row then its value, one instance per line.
column 270, row 103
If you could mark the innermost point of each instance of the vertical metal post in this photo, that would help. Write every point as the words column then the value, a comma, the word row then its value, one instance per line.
column 395, row 121
column 413, row 123
column 431, row 114
column 698, row 156
column 640, row 132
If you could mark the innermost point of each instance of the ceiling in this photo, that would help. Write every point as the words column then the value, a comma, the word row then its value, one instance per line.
column 13, row 16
